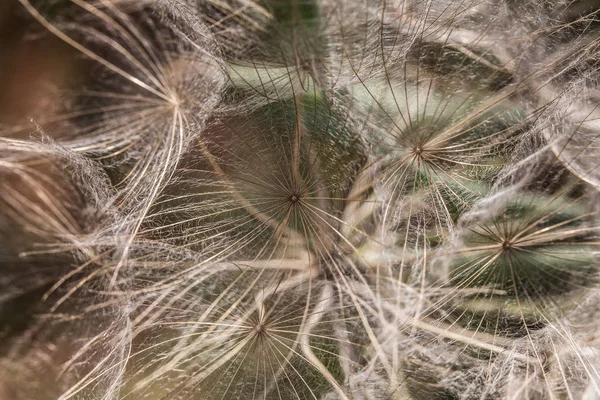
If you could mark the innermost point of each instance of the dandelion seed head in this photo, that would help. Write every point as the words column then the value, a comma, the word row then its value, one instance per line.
column 308, row 199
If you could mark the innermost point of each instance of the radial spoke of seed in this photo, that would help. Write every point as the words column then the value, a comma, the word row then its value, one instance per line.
column 265, row 219
column 323, row 304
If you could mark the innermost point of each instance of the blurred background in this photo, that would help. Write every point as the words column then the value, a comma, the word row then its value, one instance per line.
column 34, row 67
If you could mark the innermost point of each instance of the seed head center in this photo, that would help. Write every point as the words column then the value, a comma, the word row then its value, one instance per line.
column 260, row 329
column 418, row 151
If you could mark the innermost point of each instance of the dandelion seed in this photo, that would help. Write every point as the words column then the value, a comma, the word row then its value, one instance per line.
column 307, row 199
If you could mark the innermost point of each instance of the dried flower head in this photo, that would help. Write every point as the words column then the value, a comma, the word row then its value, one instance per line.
column 306, row 199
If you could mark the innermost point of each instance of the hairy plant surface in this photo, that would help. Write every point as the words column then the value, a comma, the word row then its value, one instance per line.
column 307, row 199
